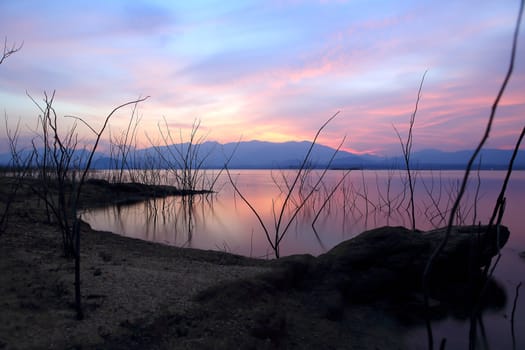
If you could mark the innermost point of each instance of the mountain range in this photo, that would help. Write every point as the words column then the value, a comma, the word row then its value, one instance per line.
column 266, row 155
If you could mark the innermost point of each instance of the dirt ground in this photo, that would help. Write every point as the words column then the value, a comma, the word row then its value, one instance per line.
column 141, row 295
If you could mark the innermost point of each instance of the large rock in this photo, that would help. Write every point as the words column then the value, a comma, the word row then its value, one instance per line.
column 384, row 265
column 390, row 259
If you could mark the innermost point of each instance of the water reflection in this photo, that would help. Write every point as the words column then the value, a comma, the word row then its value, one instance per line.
column 336, row 211
column 170, row 220
column 364, row 200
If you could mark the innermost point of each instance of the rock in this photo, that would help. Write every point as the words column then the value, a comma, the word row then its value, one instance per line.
column 292, row 270
column 467, row 245
column 376, row 265
column 364, row 266
column 390, row 259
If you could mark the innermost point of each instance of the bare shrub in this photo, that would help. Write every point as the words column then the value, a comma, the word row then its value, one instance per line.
column 62, row 169
column 185, row 158
column 281, row 223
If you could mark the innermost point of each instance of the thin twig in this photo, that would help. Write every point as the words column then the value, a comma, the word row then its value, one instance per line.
column 407, row 151
column 439, row 249
column 513, row 333
column 8, row 51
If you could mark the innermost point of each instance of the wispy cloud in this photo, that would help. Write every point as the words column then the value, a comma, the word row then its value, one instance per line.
column 272, row 70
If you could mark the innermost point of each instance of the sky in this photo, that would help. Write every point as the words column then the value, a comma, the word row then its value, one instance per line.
column 268, row 70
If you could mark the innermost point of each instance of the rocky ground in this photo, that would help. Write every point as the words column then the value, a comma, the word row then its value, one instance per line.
column 139, row 295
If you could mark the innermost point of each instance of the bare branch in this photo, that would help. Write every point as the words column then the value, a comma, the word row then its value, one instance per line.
column 439, row 249
column 282, row 225
column 107, row 117
column 407, row 151
column 8, row 51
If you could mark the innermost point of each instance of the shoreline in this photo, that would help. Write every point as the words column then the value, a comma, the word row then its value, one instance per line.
column 139, row 294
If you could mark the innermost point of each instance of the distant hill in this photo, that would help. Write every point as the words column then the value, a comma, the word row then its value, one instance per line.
column 265, row 155
column 78, row 157
column 252, row 154
column 487, row 159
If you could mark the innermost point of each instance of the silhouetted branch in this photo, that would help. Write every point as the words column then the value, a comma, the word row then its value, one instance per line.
column 407, row 151
column 501, row 195
column 513, row 314
column 439, row 249
column 280, row 226
column 8, row 51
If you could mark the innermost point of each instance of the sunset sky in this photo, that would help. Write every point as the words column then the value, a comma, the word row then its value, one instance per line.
column 270, row 70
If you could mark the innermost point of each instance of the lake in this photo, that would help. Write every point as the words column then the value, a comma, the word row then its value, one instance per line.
column 343, row 205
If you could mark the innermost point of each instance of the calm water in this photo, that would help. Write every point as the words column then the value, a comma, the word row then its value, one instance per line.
column 363, row 200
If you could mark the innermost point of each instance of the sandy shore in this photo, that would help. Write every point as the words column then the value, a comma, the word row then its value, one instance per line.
column 140, row 295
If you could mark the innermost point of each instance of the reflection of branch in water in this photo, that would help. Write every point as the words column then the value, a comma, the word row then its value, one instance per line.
column 404, row 182
column 350, row 196
column 436, row 212
column 234, row 183
column 151, row 216
column 117, row 213
column 321, row 244
column 391, row 200
column 381, row 198
column 499, row 208
column 512, row 330
column 344, row 192
column 188, row 216
column 329, row 197
column 484, row 337
column 187, row 209
column 225, row 247
column 251, row 244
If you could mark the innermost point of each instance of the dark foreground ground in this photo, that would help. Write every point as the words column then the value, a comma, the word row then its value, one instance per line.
column 141, row 295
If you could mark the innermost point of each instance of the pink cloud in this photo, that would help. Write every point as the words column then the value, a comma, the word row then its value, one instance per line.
column 369, row 69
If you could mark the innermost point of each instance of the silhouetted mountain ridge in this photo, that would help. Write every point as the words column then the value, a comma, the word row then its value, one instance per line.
column 265, row 155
